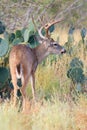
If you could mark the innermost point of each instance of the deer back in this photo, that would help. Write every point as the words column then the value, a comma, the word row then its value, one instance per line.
column 23, row 55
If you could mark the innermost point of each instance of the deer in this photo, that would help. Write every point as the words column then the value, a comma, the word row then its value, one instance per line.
column 23, row 61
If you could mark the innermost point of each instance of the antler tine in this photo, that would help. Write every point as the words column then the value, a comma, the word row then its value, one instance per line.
column 48, row 25
column 40, row 33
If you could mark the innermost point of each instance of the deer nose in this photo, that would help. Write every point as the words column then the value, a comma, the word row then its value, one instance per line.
column 63, row 51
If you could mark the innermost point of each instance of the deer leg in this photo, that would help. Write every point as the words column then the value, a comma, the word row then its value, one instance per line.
column 15, row 96
column 23, row 92
column 15, row 90
column 33, row 86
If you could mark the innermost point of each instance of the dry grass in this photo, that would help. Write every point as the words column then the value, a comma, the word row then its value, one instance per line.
column 51, row 115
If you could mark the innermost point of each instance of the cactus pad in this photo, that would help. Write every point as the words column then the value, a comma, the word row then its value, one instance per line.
column 3, row 47
column 11, row 37
column 75, row 71
column 51, row 29
column 4, row 74
column 16, row 41
column 33, row 41
column 2, row 28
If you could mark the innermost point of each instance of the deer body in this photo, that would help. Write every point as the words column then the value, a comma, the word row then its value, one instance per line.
column 23, row 62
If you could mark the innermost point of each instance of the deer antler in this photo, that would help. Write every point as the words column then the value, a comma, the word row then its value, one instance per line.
column 46, row 27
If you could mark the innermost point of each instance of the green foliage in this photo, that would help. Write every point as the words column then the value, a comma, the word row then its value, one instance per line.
column 27, row 34
column 3, row 47
column 75, row 71
column 29, row 31
column 33, row 41
column 76, row 75
column 11, row 37
column 22, row 31
column 6, row 36
column 16, row 41
column 2, row 28
column 51, row 29
column 79, row 87
column 69, row 44
column 4, row 75
column 18, row 34
column 70, row 38
column 83, row 34
column 76, row 62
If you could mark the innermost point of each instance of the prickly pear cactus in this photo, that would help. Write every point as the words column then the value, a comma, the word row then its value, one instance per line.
column 3, row 47
column 29, row 31
column 75, row 71
column 51, row 29
column 16, row 41
column 4, row 74
column 33, row 41
column 2, row 28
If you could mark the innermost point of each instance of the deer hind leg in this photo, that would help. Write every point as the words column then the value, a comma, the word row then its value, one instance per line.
column 14, row 81
column 33, row 86
column 23, row 92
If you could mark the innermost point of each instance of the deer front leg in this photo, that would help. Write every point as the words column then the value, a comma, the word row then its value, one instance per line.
column 33, row 85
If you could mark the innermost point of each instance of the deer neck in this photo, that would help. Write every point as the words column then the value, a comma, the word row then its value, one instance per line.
column 41, row 52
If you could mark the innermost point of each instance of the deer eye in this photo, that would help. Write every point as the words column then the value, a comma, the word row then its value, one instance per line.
column 55, row 44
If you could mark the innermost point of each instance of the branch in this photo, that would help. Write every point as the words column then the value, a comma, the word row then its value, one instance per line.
column 68, row 9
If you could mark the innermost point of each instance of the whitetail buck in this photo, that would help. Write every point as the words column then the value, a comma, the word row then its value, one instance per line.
column 24, row 60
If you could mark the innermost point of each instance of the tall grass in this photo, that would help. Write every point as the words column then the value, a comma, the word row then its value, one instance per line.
column 54, row 115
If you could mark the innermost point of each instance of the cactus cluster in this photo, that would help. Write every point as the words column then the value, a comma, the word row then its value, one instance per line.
column 75, row 71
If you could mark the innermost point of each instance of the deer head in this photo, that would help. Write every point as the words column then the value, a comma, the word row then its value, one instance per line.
column 48, row 45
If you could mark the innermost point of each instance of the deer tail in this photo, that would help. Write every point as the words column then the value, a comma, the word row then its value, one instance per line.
column 19, row 75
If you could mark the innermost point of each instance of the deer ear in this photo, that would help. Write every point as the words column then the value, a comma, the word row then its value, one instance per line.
column 51, row 40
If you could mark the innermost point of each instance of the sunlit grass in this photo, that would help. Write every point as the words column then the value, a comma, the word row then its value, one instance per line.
column 49, row 115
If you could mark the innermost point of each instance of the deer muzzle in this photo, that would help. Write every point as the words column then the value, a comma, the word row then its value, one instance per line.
column 63, row 51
